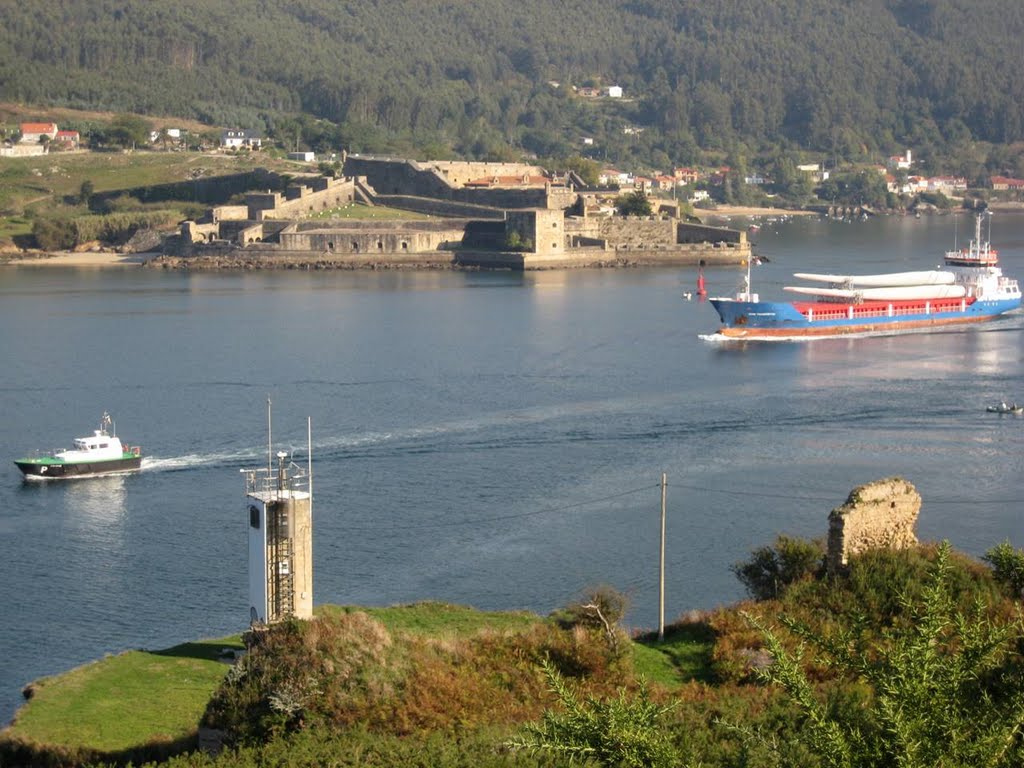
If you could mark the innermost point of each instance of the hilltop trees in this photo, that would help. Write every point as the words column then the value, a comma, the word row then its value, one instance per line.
column 489, row 76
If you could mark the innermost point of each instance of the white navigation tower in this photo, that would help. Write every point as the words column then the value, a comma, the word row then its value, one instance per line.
column 279, row 500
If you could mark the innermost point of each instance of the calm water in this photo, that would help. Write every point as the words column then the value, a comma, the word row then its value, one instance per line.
column 488, row 439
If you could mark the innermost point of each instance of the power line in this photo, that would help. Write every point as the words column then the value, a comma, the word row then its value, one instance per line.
column 703, row 489
column 520, row 515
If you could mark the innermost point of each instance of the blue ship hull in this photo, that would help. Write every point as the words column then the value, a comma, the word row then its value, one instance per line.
column 767, row 320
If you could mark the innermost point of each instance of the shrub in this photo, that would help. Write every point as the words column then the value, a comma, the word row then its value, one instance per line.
column 618, row 731
column 773, row 568
column 944, row 688
column 602, row 609
column 1007, row 567
column 54, row 234
column 298, row 673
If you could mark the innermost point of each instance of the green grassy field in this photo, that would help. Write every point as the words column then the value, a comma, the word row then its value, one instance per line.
column 126, row 700
column 49, row 185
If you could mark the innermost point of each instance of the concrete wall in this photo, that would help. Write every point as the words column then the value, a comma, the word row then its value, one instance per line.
column 882, row 514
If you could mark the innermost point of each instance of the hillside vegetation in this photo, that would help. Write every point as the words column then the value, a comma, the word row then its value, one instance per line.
column 474, row 78
column 910, row 658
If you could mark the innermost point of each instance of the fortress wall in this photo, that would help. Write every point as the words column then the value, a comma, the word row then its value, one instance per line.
column 702, row 233
column 303, row 201
column 230, row 213
column 368, row 243
column 459, row 172
column 395, row 176
column 372, row 226
column 447, row 208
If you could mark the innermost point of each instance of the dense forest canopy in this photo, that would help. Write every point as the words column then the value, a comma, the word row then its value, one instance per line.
column 841, row 78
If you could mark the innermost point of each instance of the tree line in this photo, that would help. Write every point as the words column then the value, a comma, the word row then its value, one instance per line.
column 840, row 81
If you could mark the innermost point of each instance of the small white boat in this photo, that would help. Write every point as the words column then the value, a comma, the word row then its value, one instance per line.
column 1005, row 407
column 101, row 453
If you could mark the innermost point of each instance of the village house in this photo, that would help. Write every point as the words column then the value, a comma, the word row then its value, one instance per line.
column 947, row 185
column 1006, row 183
column 892, row 184
column 233, row 138
column 687, row 175
column 815, row 171
column 662, row 182
column 67, row 139
column 173, row 134
column 901, row 162
column 612, row 176
column 614, row 91
column 33, row 133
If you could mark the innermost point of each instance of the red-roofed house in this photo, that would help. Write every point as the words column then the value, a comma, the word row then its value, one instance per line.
column 687, row 175
column 1005, row 182
column 32, row 133
column 68, row 139
column 663, row 182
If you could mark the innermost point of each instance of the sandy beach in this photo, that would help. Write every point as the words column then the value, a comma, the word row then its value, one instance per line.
column 86, row 259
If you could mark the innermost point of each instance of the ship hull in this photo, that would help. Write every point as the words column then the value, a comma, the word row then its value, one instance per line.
column 48, row 469
column 782, row 320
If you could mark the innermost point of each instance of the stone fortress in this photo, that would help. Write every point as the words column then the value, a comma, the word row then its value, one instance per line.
column 479, row 215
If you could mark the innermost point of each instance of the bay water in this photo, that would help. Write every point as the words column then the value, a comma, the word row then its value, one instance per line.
column 488, row 439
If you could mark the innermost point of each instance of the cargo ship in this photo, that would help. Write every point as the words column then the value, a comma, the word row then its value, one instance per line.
column 970, row 287
column 102, row 453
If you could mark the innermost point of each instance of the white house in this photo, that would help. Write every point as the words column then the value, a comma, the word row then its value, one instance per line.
column 233, row 138
column 901, row 161
column 614, row 91
column 305, row 157
column 174, row 134
column 32, row 133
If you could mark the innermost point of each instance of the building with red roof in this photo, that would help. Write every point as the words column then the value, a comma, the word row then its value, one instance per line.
column 32, row 133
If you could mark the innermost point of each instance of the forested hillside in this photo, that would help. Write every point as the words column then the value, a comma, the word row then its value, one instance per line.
column 839, row 77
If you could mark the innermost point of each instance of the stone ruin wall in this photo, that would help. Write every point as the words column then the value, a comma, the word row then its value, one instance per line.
column 878, row 515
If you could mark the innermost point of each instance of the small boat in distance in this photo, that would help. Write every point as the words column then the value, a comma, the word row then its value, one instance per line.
column 102, row 453
column 1005, row 407
column 968, row 288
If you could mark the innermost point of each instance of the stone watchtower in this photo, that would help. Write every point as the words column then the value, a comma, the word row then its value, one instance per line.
column 877, row 515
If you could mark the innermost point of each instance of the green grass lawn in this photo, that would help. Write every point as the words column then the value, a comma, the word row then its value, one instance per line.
column 430, row 618
column 684, row 655
column 126, row 700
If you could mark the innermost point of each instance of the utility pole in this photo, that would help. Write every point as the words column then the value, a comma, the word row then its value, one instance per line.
column 661, row 580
